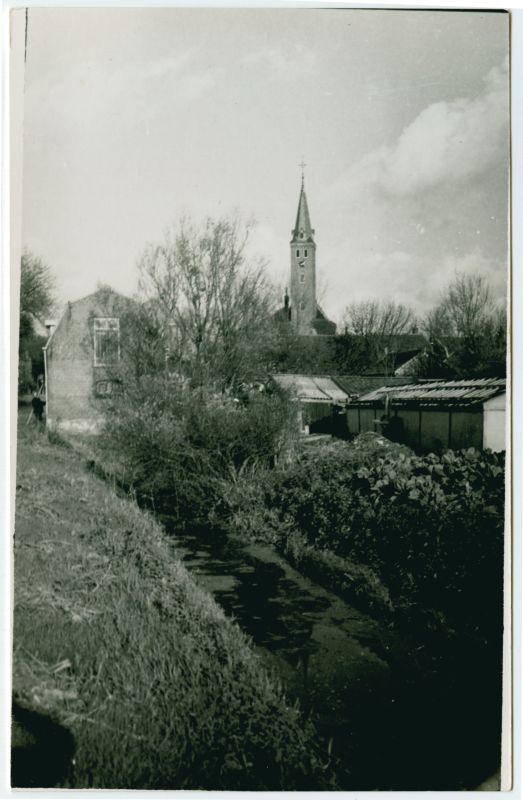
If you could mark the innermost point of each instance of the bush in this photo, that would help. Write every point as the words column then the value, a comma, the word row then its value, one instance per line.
column 431, row 527
column 183, row 448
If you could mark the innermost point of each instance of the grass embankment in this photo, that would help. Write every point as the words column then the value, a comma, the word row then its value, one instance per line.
column 125, row 673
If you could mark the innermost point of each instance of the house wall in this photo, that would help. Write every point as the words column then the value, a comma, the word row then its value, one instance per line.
column 434, row 429
column 466, row 429
column 494, row 423
column 70, row 371
column 367, row 417
column 410, row 421
column 312, row 412
column 353, row 423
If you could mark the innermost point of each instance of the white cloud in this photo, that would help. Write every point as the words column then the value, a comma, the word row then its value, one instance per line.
column 447, row 142
column 411, row 210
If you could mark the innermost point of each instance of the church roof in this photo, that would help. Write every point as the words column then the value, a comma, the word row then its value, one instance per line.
column 321, row 323
column 303, row 220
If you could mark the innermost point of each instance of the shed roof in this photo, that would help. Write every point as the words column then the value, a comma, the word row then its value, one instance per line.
column 437, row 393
column 358, row 385
column 312, row 389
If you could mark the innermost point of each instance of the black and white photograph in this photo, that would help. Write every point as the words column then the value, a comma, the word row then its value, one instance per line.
column 262, row 401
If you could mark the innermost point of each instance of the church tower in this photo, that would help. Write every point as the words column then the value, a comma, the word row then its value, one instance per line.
column 303, row 269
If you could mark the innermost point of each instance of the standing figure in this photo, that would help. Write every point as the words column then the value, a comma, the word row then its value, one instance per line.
column 38, row 407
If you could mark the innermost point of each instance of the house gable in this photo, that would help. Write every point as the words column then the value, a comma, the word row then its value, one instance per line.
column 79, row 357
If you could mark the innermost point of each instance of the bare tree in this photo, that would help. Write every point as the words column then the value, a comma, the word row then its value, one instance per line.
column 215, row 304
column 376, row 325
column 464, row 308
column 467, row 330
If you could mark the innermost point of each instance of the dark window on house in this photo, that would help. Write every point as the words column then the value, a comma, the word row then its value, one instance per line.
column 305, row 252
column 302, row 277
column 297, row 253
column 106, row 341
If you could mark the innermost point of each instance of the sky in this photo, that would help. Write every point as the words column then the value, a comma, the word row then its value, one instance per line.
column 135, row 117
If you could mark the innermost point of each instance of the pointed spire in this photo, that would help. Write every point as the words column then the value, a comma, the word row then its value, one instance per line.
column 303, row 231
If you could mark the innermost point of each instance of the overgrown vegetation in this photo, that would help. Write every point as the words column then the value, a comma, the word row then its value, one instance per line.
column 430, row 527
column 187, row 450
column 418, row 541
column 120, row 655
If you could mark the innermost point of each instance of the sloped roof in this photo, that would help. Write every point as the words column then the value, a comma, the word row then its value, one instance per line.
column 282, row 314
column 437, row 393
column 312, row 389
column 321, row 323
column 408, row 342
column 324, row 327
column 303, row 220
column 357, row 385
column 102, row 296
column 399, row 343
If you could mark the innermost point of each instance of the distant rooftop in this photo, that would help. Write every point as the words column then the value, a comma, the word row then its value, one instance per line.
column 312, row 389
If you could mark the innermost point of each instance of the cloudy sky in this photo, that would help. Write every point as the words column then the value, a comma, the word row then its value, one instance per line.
column 136, row 116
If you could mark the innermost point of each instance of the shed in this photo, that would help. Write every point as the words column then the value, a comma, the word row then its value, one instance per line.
column 321, row 400
column 436, row 415
column 81, row 358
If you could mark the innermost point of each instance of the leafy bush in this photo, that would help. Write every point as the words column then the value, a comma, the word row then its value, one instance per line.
column 185, row 448
column 431, row 527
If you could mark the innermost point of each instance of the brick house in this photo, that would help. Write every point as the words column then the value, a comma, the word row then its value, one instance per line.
column 81, row 357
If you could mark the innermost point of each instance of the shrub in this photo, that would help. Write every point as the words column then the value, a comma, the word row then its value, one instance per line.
column 431, row 527
column 182, row 447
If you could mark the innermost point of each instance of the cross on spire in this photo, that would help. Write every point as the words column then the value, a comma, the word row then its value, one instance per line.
column 302, row 165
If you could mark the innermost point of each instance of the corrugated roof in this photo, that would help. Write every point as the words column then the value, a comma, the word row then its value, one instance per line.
column 437, row 393
column 308, row 388
column 357, row 385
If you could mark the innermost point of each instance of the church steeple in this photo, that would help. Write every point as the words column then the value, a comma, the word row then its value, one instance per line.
column 303, row 231
column 303, row 268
